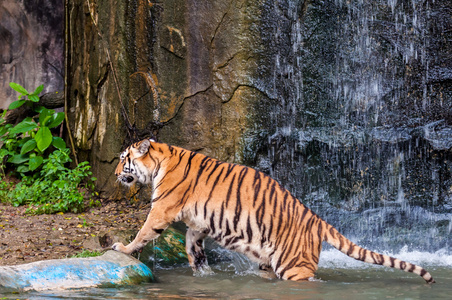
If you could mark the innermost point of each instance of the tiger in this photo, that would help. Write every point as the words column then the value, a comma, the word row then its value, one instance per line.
column 241, row 208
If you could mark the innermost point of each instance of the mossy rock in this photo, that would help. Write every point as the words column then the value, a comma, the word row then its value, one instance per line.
column 167, row 250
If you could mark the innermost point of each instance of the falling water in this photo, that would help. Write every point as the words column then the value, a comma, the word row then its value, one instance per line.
column 360, row 132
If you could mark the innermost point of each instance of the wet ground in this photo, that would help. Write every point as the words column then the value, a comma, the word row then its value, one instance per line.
column 26, row 238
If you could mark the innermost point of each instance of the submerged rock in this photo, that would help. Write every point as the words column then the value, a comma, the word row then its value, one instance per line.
column 167, row 250
column 112, row 268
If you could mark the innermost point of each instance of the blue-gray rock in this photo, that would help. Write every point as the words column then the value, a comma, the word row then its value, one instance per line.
column 112, row 268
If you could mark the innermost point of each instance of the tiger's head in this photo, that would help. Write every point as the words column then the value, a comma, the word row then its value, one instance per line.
column 134, row 164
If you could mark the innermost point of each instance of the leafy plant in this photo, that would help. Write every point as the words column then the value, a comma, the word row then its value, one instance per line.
column 24, row 144
column 47, row 185
column 5, row 187
column 57, row 189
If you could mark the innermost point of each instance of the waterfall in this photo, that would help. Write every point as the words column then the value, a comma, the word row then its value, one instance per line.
column 360, row 130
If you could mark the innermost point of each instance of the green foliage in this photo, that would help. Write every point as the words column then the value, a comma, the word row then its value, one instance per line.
column 5, row 188
column 57, row 188
column 24, row 145
column 87, row 253
column 47, row 185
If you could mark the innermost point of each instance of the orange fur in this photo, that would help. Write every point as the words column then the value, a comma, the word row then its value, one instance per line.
column 241, row 208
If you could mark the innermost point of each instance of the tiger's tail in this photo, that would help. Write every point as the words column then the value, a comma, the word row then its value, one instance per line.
column 340, row 242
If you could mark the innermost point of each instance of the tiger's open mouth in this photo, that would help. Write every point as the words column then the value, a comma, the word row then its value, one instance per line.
column 126, row 179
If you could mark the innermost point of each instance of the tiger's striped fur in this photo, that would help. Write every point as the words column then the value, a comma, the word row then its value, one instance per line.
column 241, row 208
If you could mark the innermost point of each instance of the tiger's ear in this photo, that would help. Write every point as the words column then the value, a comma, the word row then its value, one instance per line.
column 142, row 148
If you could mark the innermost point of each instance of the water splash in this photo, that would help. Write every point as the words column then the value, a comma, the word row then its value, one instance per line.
column 334, row 259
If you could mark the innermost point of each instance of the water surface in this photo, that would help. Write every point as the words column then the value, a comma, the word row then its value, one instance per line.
column 338, row 277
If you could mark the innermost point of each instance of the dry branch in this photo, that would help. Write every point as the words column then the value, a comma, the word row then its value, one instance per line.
column 50, row 100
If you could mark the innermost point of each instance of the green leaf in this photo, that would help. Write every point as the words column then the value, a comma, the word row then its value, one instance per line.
column 58, row 143
column 38, row 90
column 60, row 183
column 39, row 109
column 28, row 146
column 44, row 115
column 3, row 153
column 35, row 162
column 33, row 98
column 43, row 138
column 20, row 142
column 18, row 159
column 56, row 120
column 3, row 130
column 22, row 169
column 16, row 104
column 18, row 88
column 24, row 126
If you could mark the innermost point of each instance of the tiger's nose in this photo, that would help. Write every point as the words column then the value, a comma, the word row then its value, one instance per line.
column 127, row 179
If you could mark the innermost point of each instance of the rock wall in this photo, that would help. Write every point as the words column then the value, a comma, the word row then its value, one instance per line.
column 31, row 51
column 199, row 74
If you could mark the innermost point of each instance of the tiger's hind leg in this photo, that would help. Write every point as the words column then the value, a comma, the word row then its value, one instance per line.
column 299, row 272
column 298, row 267
column 194, row 246
column 266, row 271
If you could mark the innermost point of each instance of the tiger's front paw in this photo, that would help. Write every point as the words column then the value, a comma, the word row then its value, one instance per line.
column 119, row 247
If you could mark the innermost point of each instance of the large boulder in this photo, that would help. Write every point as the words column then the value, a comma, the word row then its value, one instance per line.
column 112, row 268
